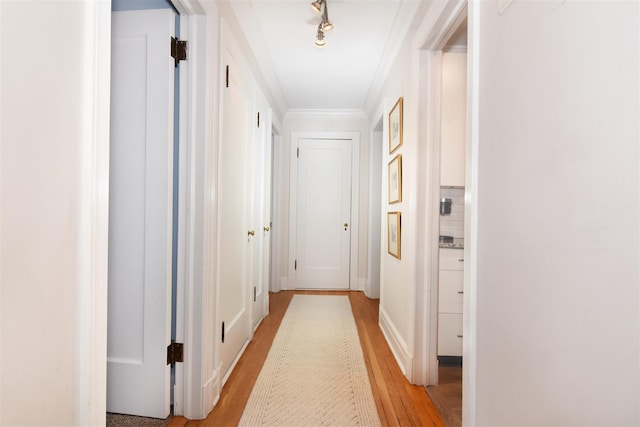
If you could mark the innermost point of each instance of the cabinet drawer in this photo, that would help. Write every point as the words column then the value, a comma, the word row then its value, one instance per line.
column 450, row 296
column 451, row 259
column 449, row 334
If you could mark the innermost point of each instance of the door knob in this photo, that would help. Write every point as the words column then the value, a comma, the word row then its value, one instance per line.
column 266, row 229
column 346, row 225
column 251, row 233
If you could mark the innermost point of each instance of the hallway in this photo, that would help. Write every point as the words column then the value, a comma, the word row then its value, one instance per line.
column 397, row 401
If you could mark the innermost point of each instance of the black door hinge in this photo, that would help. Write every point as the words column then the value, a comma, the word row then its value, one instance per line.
column 255, row 290
column 178, row 50
column 222, row 332
column 175, row 353
column 298, row 152
column 295, row 264
column 227, row 76
column 258, row 118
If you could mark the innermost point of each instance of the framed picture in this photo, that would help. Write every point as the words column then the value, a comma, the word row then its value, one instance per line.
column 395, row 179
column 395, row 126
column 393, row 233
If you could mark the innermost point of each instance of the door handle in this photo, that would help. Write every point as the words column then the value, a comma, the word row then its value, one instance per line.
column 251, row 233
column 266, row 229
column 346, row 226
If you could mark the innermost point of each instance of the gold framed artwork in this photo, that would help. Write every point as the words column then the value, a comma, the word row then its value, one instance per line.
column 395, row 179
column 394, row 231
column 395, row 126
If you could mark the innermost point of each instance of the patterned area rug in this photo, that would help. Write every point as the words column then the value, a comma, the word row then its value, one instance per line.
column 315, row 374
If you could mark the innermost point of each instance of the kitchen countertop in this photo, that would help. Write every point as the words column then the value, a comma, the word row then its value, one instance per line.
column 456, row 244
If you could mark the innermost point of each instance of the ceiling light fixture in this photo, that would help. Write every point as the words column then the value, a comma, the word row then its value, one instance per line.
column 326, row 25
column 317, row 6
column 320, row 6
column 320, row 38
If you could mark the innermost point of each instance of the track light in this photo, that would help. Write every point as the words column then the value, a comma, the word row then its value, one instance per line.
column 317, row 6
column 325, row 24
column 320, row 38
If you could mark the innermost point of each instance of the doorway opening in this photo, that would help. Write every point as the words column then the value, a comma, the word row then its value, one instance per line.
column 451, row 80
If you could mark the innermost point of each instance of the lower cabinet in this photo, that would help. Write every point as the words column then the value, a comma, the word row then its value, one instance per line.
column 449, row 334
column 450, row 302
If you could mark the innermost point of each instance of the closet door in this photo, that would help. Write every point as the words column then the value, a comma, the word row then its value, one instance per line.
column 323, row 234
column 235, row 244
column 140, row 213
column 261, row 215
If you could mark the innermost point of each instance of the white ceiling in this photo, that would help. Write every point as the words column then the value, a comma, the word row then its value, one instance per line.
column 366, row 34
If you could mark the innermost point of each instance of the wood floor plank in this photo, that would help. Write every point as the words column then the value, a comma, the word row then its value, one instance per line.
column 382, row 397
column 398, row 402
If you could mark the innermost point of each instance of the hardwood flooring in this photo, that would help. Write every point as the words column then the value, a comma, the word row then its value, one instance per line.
column 447, row 395
column 398, row 402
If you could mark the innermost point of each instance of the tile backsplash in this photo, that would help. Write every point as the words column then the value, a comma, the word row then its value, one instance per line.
column 453, row 225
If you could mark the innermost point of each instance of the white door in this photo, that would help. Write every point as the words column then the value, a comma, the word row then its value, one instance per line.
column 259, row 255
column 140, row 213
column 266, row 218
column 235, row 242
column 323, row 237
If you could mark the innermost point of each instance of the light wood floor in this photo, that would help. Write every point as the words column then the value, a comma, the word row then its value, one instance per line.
column 398, row 402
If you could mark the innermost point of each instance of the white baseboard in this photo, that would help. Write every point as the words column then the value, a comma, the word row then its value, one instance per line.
column 235, row 362
column 397, row 344
column 369, row 293
column 210, row 393
column 284, row 284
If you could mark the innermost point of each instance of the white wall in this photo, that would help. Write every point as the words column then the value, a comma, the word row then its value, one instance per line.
column 323, row 121
column 453, row 128
column 397, row 277
column 53, row 257
column 558, row 317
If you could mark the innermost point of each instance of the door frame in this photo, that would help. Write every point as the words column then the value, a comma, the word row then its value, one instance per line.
column 375, row 249
column 355, row 198
column 436, row 29
column 194, row 300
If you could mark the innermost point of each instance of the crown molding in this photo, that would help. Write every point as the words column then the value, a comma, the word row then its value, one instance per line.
column 409, row 13
column 306, row 113
column 245, row 18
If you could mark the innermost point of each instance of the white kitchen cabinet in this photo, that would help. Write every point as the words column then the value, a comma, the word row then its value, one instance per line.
column 453, row 129
column 449, row 334
column 450, row 302
column 450, row 298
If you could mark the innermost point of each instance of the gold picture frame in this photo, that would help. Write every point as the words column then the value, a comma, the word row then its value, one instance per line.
column 394, row 233
column 395, row 126
column 395, row 179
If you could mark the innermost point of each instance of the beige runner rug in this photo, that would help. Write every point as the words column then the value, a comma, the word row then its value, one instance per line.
column 315, row 374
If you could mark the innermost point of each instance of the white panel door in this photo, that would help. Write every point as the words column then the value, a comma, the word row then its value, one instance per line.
column 140, row 213
column 235, row 243
column 266, row 218
column 260, row 216
column 324, row 214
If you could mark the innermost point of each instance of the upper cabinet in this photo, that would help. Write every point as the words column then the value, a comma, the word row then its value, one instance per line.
column 454, row 119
